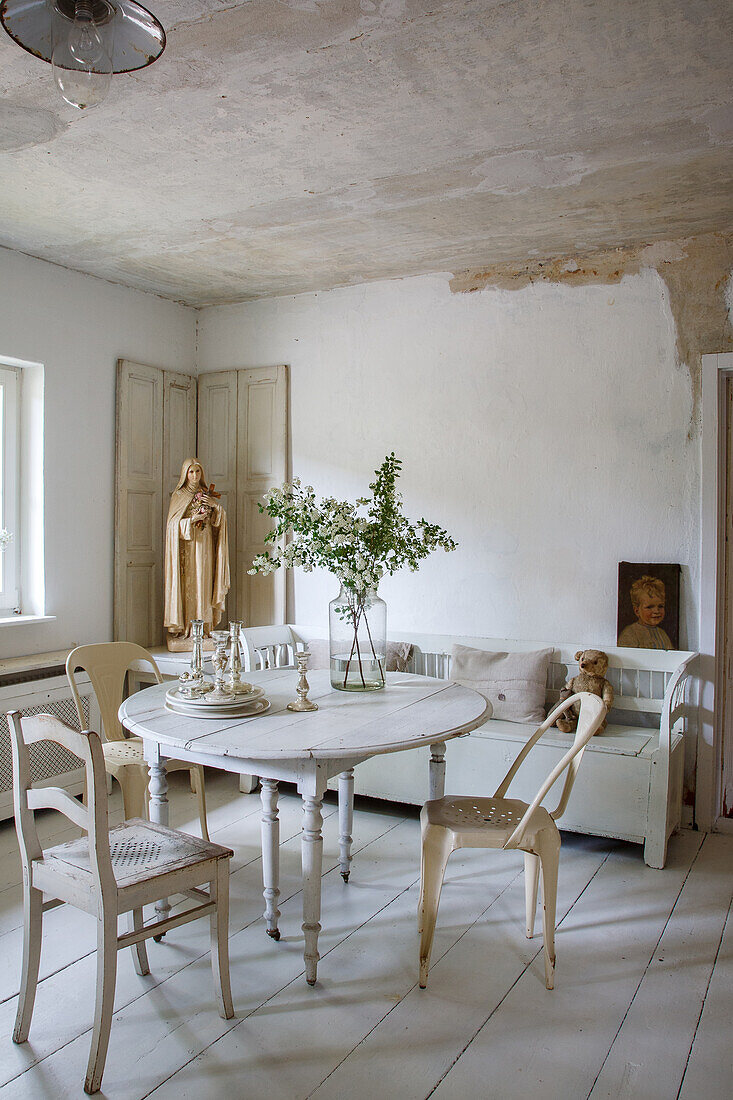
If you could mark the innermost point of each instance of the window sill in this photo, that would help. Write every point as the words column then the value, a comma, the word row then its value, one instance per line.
column 15, row 620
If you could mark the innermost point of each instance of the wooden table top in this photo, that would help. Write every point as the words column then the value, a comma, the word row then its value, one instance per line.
column 409, row 711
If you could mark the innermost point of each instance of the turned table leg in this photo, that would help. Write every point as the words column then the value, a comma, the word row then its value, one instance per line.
column 158, row 810
column 346, row 821
column 437, row 770
column 270, row 855
column 312, row 856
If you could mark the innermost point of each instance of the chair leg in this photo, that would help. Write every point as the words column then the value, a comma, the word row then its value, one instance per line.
column 219, row 924
column 32, row 931
column 192, row 779
column 133, row 781
column 531, row 882
column 436, row 848
column 139, row 950
column 200, row 789
column 105, row 999
column 550, row 861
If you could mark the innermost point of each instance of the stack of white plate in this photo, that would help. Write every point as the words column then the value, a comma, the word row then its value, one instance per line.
column 203, row 706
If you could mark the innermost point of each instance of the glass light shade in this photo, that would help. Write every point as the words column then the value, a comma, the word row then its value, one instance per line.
column 83, row 43
column 139, row 39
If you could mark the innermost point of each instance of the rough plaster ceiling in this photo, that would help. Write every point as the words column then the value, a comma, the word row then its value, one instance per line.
column 280, row 146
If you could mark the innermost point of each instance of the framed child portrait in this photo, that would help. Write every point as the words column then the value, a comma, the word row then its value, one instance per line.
column 648, row 606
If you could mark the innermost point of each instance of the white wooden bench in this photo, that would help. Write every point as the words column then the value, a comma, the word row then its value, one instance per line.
column 630, row 782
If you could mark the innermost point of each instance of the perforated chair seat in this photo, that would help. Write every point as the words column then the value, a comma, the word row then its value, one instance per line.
column 490, row 821
column 124, row 752
column 139, row 851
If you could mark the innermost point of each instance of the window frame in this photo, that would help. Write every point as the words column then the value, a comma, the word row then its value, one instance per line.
column 10, row 397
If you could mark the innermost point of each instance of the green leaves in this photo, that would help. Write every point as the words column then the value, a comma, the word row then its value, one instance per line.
column 358, row 548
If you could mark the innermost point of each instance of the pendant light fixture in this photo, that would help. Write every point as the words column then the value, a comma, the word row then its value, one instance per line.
column 86, row 41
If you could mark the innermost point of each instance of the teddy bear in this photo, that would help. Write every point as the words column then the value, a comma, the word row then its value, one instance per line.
column 592, row 678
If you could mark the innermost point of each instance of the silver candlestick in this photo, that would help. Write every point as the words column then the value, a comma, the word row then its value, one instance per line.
column 302, row 703
column 221, row 693
column 197, row 683
column 235, row 684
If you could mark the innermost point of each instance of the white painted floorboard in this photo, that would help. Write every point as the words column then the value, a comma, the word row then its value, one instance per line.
column 642, row 1007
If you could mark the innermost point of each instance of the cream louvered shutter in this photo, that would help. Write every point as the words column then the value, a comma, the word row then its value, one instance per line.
column 262, row 462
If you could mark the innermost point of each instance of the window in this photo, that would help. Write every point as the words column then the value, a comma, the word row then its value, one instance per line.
column 22, row 563
column 9, row 488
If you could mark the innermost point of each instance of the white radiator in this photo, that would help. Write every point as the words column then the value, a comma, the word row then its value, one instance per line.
column 41, row 693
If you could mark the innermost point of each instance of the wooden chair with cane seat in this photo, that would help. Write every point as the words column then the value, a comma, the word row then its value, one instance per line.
column 107, row 664
column 106, row 873
column 458, row 822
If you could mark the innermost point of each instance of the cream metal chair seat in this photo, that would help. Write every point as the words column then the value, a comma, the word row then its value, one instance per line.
column 107, row 664
column 107, row 873
column 498, row 822
column 493, row 819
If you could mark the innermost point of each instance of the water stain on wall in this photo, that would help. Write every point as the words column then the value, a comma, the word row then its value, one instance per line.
column 695, row 270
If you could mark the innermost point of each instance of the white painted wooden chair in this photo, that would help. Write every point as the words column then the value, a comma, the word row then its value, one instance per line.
column 275, row 647
column 107, row 664
column 265, row 647
column 105, row 873
column 269, row 647
column 462, row 822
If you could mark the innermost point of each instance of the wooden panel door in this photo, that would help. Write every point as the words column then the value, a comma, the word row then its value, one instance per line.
column 179, row 429
column 726, row 678
column 138, row 560
column 217, row 452
column 262, row 463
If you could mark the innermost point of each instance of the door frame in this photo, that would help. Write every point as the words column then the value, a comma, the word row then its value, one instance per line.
column 716, row 369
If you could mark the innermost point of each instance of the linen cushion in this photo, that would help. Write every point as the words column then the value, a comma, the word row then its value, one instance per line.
column 398, row 654
column 514, row 683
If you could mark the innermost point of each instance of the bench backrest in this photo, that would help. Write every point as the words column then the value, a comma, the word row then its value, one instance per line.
column 640, row 677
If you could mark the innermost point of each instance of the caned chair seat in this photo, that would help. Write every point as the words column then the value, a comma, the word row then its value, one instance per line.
column 139, row 850
column 105, row 873
column 451, row 822
column 107, row 664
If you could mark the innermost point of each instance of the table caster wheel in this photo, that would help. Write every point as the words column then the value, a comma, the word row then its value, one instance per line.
column 273, row 933
column 311, row 981
column 345, row 875
column 157, row 939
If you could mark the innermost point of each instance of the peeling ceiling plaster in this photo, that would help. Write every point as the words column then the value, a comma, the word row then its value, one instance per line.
column 280, row 146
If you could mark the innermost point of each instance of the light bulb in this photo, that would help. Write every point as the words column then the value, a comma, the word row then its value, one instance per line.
column 84, row 41
column 82, row 63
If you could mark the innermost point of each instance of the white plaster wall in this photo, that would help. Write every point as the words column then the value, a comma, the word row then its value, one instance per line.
column 77, row 327
column 546, row 428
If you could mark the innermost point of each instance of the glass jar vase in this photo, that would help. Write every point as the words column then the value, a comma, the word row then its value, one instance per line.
column 357, row 630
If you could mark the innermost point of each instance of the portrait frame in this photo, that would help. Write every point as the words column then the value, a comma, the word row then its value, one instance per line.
column 669, row 574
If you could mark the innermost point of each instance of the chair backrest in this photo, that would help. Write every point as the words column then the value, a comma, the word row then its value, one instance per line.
column 268, row 647
column 590, row 718
column 106, row 664
column 93, row 817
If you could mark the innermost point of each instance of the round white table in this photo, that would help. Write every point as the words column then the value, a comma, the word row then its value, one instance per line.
column 307, row 749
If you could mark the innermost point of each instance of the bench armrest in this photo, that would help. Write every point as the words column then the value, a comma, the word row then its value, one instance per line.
column 674, row 707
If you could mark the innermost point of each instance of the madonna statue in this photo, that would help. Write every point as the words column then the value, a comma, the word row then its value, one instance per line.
column 196, row 557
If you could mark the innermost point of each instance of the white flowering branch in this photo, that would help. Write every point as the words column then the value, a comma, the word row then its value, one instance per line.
column 359, row 543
